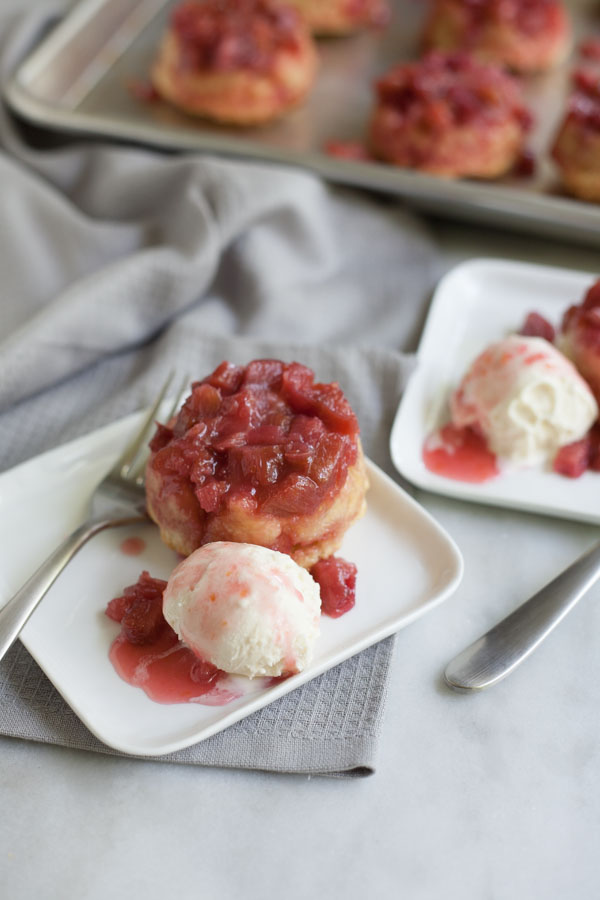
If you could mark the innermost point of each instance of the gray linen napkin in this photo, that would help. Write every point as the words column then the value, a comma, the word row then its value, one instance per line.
column 118, row 264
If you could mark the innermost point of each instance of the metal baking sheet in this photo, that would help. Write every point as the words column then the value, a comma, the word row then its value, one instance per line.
column 78, row 81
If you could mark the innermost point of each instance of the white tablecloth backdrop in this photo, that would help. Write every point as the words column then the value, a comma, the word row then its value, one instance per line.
column 488, row 796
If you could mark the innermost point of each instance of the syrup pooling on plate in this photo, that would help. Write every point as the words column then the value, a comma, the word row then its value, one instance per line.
column 148, row 654
column 132, row 546
column 168, row 672
column 461, row 454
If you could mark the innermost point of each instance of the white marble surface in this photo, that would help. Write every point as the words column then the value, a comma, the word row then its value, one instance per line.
column 494, row 796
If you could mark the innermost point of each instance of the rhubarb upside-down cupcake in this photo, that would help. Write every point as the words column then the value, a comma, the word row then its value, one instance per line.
column 450, row 115
column 337, row 17
column 579, row 338
column 262, row 455
column 576, row 147
column 242, row 62
column 525, row 35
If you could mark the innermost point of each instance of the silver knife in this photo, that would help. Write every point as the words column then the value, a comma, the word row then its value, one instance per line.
column 502, row 649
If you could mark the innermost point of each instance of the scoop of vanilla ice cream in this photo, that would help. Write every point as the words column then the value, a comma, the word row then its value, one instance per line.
column 526, row 398
column 246, row 609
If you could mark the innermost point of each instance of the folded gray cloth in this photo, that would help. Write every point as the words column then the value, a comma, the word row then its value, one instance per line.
column 119, row 264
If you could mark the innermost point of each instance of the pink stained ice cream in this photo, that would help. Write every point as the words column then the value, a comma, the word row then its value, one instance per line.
column 526, row 398
column 246, row 609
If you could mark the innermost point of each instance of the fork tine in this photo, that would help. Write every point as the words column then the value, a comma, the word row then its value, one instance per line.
column 136, row 469
column 179, row 396
column 128, row 456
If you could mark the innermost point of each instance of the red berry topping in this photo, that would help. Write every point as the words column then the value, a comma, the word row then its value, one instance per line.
column 266, row 436
column 161, row 438
column 536, row 325
column 584, row 319
column 573, row 459
column 337, row 580
column 590, row 49
column 525, row 165
column 226, row 377
column 443, row 90
column 528, row 16
column 592, row 297
column 224, row 35
column 594, row 462
column 584, row 103
column 117, row 607
column 139, row 610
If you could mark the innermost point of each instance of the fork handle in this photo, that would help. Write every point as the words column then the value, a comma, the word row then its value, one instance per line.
column 17, row 611
column 501, row 650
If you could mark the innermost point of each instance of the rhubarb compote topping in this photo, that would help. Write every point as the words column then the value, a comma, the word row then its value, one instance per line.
column 336, row 578
column 444, row 90
column 529, row 17
column 265, row 437
column 228, row 35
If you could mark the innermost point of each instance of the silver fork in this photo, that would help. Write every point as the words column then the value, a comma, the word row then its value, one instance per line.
column 118, row 499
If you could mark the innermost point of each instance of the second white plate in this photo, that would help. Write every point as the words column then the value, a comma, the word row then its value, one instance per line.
column 477, row 303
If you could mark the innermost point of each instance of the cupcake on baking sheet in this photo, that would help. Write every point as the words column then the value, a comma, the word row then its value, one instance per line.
column 242, row 62
column 576, row 147
column 524, row 35
column 450, row 115
column 260, row 454
column 338, row 17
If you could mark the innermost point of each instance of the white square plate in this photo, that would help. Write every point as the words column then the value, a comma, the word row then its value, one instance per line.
column 479, row 302
column 406, row 565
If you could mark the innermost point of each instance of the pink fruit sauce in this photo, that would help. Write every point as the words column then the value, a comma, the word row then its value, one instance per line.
column 133, row 546
column 169, row 672
column 460, row 454
column 148, row 654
